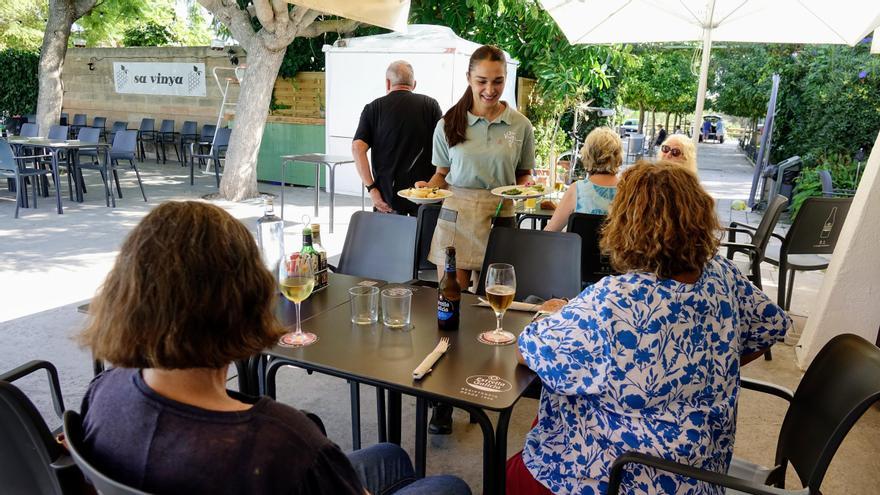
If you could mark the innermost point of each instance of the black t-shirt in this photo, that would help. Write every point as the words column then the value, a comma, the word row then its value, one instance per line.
column 399, row 128
column 158, row 445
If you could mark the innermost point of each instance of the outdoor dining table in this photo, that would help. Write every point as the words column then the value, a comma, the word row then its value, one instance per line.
column 539, row 215
column 318, row 159
column 55, row 147
column 472, row 376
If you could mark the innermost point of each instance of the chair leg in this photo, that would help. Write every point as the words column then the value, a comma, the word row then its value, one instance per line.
column 783, row 273
column 217, row 171
column 176, row 152
column 789, row 290
column 756, row 272
column 192, row 164
column 140, row 184
column 106, row 188
column 116, row 178
column 18, row 195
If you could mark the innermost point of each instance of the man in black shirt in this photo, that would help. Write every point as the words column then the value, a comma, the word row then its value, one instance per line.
column 398, row 128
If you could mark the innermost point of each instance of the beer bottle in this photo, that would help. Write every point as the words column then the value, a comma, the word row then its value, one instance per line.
column 309, row 252
column 322, row 254
column 449, row 295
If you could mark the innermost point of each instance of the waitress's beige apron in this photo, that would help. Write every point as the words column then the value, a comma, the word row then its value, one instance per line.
column 466, row 225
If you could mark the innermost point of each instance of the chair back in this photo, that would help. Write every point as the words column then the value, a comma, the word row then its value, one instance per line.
column 29, row 130
column 99, row 122
column 167, row 126
column 147, row 125
column 547, row 264
column 841, row 383
column 32, row 118
column 207, row 134
column 827, row 183
column 594, row 264
column 63, row 120
column 105, row 485
column 119, row 126
column 380, row 246
column 79, row 119
column 58, row 132
column 124, row 142
column 190, row 128
column 221, row 138
column 427, row 221
column 765, row 228
column 7, row 158
column 817, row 226
column 89, row 134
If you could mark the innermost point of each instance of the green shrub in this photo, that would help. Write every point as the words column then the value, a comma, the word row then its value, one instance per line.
column 18, row 81
column 843, row 176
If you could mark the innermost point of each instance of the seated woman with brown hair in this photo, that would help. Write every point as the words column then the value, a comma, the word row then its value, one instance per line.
column 187, row 296
column 646, row 361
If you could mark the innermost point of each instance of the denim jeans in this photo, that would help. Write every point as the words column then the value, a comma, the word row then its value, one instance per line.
column 385, row 468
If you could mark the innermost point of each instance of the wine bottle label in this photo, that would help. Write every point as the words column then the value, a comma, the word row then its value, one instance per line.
column 446, row 309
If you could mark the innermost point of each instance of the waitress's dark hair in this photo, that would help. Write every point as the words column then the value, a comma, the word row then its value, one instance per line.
column 455, row 119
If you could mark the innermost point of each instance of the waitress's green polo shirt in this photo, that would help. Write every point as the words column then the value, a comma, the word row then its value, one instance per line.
column 492, row 154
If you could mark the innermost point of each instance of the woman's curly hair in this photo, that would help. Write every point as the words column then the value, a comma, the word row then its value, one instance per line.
column 661, row 221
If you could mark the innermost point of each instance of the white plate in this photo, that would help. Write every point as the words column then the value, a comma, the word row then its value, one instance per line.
column 425, row 201
column 499, row 191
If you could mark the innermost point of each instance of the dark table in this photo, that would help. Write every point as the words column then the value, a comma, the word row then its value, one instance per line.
column 472, row 376
column 535, row 215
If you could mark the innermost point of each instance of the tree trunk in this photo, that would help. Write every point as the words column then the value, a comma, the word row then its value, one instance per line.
column 62, row 15
column 641, row 119
column 668, row 130
column 653, row 125
column 240, row 174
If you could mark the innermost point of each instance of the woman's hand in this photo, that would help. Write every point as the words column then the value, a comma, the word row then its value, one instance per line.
column 525, row 180
column 420, row 184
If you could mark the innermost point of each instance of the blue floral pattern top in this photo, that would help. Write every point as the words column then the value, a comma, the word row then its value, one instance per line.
column 637, row 363
column 593, row 198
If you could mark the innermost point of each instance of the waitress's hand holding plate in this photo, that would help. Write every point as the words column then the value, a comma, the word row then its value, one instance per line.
column 424, row 195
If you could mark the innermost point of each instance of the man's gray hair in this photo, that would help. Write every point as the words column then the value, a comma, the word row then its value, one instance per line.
column 400, row 72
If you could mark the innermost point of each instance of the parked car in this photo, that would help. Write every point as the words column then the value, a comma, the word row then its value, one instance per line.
column 712, row 129
column 629, row 126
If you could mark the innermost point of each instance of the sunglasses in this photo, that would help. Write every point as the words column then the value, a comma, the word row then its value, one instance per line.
column 672, row 151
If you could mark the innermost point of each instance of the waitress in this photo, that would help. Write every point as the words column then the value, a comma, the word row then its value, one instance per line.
column 480, row 143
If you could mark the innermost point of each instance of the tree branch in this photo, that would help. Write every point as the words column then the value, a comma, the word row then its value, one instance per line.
column 237, row 20
column 82, row 7
column 320, row 27
column 282, row 17
column 265, row 14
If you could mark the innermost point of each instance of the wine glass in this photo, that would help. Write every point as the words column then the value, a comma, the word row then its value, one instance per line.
column 296, row 279
column 500, row 289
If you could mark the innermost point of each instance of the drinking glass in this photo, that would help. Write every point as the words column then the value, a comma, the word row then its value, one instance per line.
column 500, row 289
column 530, row 204
column 364, row 305
column 296, row 278
column 396, row 306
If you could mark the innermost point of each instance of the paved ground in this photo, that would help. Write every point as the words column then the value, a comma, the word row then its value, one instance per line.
column 51, row 263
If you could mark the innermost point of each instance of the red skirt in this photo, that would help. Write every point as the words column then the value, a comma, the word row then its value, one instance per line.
column 520, row 481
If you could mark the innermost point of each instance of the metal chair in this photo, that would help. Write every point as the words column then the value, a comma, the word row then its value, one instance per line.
column 13, row 168
column 79, row 121
column 594, row 264
column 29, row 130
column 167, row 136
column 426, row 221
column 828, row 189
column 124, row 147
column 216, row 152
column 63, row 120
column 547, row 264
column 759, row 237
column 813, row 234
column 73, row 432
column 146, row 134
column 189, row 133
column 117, row 127
column 31, row 461
column 380, row 246
column 841, row 383
column 58, row 132
column 100, row 123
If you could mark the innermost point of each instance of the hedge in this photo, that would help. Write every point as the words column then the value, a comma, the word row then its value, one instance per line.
column 18, row 78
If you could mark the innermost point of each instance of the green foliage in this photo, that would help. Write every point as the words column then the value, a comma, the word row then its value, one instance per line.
column 843, row 175
column 660, row 79
column 149, row 33
column 19, row 82
column 138, row 23
column 22, row 23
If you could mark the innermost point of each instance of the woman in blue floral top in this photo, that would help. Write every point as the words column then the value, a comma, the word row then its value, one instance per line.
column 647, row 361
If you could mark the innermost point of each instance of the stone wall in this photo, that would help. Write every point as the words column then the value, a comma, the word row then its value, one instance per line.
column 93, row 93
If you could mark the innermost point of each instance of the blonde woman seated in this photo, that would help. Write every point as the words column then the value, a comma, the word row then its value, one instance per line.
column 648, row 361
column 602, row 155
column 679, row 148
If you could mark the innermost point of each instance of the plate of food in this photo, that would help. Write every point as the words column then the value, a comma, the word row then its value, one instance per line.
column 424, row 195
column 520, row 192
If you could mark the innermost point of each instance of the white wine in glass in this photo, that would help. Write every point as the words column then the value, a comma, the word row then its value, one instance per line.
column 296, row 279
column 500, row 289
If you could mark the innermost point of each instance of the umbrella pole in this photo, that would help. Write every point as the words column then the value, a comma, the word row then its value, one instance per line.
column 704, row 74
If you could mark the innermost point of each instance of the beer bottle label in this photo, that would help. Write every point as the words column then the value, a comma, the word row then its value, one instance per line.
column 446, row 309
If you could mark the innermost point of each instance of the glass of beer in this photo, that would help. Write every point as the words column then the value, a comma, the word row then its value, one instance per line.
column 500, row 289
column 296, row 279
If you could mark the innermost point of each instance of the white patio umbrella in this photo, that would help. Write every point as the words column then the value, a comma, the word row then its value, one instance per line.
column 761, row 21
column 391, row 14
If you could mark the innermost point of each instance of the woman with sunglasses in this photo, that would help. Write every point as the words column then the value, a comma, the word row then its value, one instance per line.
column 680, row 149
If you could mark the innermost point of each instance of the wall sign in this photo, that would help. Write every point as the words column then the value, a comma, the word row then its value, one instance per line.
column 153, row 78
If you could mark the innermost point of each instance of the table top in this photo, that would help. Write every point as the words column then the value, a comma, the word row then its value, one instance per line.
column 319, row 158
column 53, row 143
column 536, row 212
column 335, row 294
column 470, row 372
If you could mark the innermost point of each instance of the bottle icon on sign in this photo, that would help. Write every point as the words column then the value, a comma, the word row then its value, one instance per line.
column 829, row 224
